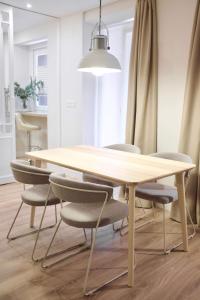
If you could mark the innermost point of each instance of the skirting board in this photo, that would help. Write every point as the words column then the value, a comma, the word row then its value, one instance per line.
column 6, row 179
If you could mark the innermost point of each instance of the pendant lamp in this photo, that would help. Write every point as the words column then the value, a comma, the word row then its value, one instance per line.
column 99, row 61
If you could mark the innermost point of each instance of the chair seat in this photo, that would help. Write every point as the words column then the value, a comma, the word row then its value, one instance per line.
column 37, row 195
column 98, row 180
column 157, row 192
column 85, row 215
column 30, row 127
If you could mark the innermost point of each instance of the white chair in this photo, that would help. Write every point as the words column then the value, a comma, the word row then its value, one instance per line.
column 90, row 206
column 22, row 125
column 38, row 194
column 165, row 194
column 94, row 179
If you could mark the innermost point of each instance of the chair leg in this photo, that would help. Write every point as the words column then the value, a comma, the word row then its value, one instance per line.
column 93, row 238
column 15, row 218
column 38, row 233
column 164, row 230
column 40, row 227
column 190, row 236
column 121, row 228
column 56, row 216
column 167, row 250
column 28, row 233
column 29, row 140
column 83, row 246
column 90, row 292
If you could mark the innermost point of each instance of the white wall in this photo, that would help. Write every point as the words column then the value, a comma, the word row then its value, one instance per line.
column 112, row 13
column 71, row 51
column 175, row 19
column 21, row 65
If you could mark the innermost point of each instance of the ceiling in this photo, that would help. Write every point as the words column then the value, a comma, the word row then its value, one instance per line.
column 24, row 20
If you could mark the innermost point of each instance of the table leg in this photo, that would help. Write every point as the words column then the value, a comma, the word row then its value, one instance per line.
column 182, row 206
column 131, row 235
column 38, row 164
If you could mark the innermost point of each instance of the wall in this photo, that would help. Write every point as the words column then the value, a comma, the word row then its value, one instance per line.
column 49, row 31
column 21, row 65
column 71, row 51
column 175, row 19
column 112, row 13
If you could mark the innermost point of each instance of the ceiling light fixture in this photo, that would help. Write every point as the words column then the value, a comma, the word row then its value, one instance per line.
column 99, row 61
column 28, row 5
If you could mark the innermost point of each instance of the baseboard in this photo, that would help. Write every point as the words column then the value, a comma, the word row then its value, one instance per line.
column 6, row 179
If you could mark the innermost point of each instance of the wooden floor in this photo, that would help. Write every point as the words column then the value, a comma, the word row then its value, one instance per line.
column 157, row 277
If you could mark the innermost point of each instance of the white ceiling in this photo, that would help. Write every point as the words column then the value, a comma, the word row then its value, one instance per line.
column 58, row 8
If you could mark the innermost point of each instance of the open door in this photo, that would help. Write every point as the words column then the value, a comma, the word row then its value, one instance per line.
column 7, row 116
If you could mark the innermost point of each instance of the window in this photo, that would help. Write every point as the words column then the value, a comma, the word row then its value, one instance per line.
column 113, row 90
column 40, row 73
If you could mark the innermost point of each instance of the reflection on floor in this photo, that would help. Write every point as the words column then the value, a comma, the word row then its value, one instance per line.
column 175, row 276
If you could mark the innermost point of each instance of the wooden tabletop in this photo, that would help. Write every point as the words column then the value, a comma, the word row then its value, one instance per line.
column 117, row 166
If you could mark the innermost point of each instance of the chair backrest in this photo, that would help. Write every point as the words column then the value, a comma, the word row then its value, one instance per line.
column 125, row 148
column 78, row 192
column 19, row 121
column 173, row 156
column 25, row 173
column 119, row 147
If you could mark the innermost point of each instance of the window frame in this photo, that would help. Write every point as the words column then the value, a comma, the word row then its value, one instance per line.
column 37, row 52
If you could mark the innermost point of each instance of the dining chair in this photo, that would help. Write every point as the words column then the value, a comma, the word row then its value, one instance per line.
column 94, row 179
column 165, row 194
column 91, row 206
column 39, row 194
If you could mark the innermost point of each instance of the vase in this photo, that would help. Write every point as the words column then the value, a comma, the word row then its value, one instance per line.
column 24, row 104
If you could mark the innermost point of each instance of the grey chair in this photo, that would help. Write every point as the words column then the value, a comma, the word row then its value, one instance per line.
column 165, row 194
column 38, row 194
column 94, row 179
column 91, row 206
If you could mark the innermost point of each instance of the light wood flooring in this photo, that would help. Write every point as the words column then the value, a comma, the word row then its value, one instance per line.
column 157, row 277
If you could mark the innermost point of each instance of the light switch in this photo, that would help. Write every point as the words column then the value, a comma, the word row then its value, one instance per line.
column 71, row 104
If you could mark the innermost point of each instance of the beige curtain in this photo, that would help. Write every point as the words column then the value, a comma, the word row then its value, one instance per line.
column 190, row 130
column 141, row 127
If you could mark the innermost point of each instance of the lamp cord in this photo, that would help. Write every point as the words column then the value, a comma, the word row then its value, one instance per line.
column 100, row 17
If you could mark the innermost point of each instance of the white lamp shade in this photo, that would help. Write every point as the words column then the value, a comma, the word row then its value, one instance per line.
column 98, row 62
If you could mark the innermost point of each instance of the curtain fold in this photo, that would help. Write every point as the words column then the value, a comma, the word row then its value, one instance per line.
column 190, row 128
column 141, row 126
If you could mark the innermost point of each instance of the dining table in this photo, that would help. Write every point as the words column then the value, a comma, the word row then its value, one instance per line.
column 122, row 168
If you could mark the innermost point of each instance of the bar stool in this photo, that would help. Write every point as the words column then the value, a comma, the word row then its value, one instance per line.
column 28, row 128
